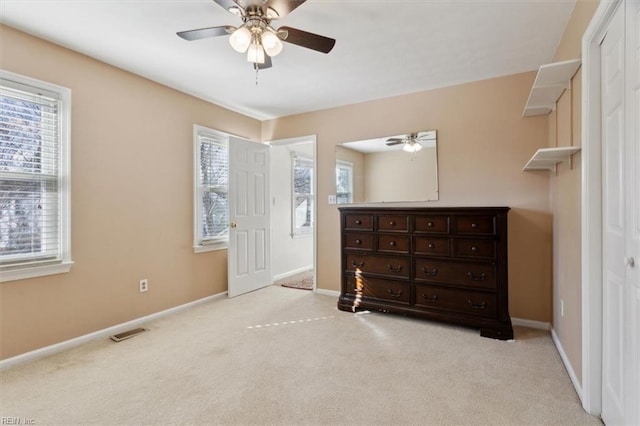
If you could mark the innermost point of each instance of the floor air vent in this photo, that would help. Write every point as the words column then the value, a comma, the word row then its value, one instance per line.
column 127, row 334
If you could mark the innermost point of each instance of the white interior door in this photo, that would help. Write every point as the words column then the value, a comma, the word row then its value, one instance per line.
column 632, row 255
column 249, row 263
column 620, row 91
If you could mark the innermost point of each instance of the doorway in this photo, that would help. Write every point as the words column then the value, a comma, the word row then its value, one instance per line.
column 293, row 212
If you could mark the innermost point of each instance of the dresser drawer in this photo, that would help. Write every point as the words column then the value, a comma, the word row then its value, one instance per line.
column 480, row 275
column 475, row 225
column 466, row 302
column 398, row 223
column 358, row 222
column 389, row 290
column 396, row 266
column 357, row 241
column 434, row 246
column 393, row 243
column 481, row 249
column 432, row 224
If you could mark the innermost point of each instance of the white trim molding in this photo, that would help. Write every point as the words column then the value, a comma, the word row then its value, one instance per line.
column 592, row 209
column 540, row 325
column 291, row 273
column 325, row 292
column 77, row 341
column 567, row 364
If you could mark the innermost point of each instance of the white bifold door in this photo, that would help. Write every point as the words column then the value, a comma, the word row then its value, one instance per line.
column 620, row 93
column 249, row 260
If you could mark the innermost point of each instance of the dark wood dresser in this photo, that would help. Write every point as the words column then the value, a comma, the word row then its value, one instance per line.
column 446, row 264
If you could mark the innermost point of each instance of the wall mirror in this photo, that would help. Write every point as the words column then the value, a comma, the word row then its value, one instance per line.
column 389, row 169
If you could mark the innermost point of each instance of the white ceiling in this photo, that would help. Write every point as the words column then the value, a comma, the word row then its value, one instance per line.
column 383, row 48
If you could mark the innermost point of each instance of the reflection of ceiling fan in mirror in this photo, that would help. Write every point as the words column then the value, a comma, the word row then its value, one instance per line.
column 256, row 36
column 413, row 141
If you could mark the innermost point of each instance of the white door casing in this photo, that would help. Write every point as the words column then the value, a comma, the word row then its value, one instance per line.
column 249, row 262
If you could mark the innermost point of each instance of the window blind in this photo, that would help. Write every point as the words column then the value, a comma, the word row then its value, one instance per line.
column 214, row 187
column 29, row 174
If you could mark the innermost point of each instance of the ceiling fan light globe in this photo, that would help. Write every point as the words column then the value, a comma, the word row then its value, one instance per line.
column 255, row 54
column 271, row 43
column 240, row 39
column 412, row 147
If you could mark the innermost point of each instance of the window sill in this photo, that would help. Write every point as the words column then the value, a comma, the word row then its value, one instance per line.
column 26, row 272
column 210, row 247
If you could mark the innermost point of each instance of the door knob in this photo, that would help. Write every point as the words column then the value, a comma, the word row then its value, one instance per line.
column 629, row 261
column 233, row 225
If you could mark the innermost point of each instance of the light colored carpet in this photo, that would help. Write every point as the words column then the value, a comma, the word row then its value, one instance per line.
column 280, row 356
column 303, row 281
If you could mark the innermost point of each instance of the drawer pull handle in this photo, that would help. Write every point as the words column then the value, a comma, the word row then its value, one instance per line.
column 392, row 243
column 474, row 225
column 474, row 277
column 474, row 248
column 357, row 265
column 395, row 269
column 392, row 223
column 431, row 245
column 358, row 222
column 358, row 241
column 394, row 294
column 430, row 273
column 430, row 299
column 430, row 224
column 480, row 305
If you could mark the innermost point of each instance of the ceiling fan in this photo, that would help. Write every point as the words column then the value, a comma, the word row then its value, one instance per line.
column 256, row 36
column 412, row 141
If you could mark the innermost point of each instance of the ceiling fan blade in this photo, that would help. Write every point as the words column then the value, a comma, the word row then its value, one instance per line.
column 204, row 33
column 392, row 143
column 267, row 63
column 309, row 40
column 226, row 4
column 284, row 7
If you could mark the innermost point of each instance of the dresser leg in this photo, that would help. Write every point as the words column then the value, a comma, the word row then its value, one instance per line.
column 497, row 333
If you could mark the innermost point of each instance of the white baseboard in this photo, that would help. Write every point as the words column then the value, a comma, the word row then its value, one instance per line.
column 290, row 273
column 68, row 344
column 567, row 364
column 333, row 293
column 531, row 323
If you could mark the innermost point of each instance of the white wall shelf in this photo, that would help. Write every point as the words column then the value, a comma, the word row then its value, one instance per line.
column 548, row 158
column 551, row 82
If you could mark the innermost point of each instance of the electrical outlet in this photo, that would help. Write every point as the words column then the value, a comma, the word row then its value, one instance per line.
column 332, row 199
column 144, row 285
column 561, row 307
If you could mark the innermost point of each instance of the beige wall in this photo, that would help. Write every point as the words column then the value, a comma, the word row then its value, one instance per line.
column 483, row 143
column 400, row 176
column 565, row 194
column 132, row 201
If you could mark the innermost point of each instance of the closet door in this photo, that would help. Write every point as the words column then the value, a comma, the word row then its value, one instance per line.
column 620, row 89
column 632, row 255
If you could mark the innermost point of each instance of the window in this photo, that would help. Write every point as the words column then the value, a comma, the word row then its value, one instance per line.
column 211, row 189
column 302, row 195
column 35, row 231
column 344, row 182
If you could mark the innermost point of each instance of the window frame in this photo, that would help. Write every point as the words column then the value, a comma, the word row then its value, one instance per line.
column 345, row 165
column 200, row 244
column 307, row 231
column 63, row 262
